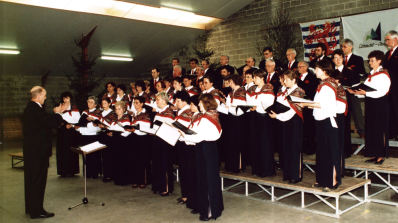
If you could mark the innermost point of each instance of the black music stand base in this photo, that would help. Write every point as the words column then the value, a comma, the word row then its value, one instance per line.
column 85, row 200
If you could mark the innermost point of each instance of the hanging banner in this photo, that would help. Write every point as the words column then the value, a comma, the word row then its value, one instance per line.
column 367, row 30
column 321, row 31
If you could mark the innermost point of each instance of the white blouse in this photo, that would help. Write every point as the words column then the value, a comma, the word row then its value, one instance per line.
column 141, row 123
column 379, row 82
column 208, row 91
column 266, row 99
column 205, row 131
column 73, row 117
column 90, row 130
column 327, row 99
column 167, row 119
column 249, row 85
column 340, row 106
column 286, row 116
column 232, row 106
column 184, row 122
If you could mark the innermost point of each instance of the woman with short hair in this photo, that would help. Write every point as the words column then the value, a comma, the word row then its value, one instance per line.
column 376, row 109
column 121, row 95
column 67, row 161
column 208, row 129
column 110, row 88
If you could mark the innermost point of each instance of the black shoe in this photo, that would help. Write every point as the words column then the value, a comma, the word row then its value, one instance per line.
column 45, row 215
column 371, row 160
column 182, row 201
column 316, row 185
column 206, row 218
column 294, row 181
column 165, row 194
column 194, row 211
column 179, row 199
column 380, row 162
column 156, row 192
column 134, row 186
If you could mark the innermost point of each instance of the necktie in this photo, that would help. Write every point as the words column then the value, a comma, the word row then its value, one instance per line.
column 154, row 84
column 319, row 59
column 346, row 61
column 301, row 76
column 290, row 64
column 191, row 72
column 269, row 78
column 389, row 56
column 197, row 81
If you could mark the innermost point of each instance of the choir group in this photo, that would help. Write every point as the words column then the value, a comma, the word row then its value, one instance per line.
column 239, row 119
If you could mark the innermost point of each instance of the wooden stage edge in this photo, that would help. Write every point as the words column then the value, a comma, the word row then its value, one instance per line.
column 276, row 182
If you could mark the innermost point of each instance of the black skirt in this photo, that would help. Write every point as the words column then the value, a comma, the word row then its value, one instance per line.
column 93, row 160
column 235, row 159
column 108, row 156
column 340, row 119
column 140, row 172
column 192, row 192
column 327, row 153
column 292, row 149
column 162, row 166
column 309, row 144
column 67, row 161
column 209, row 181
column 376, row 127
column 122, row 150
column 263, row 146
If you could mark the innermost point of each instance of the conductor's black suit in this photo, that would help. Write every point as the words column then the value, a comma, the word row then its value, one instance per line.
column 37, row 148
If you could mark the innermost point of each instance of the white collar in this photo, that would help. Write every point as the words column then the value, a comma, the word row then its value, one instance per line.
column 393, row 50
column 38, row 104
column 92, row 110
column 157, row 79
column 207, row 91
column 303, row 76
column 188, row 88
column 162, row 110
column 340, row 68
column 136, row 112
column 292, row 62
column 291, row 89
column 140, row 94
column 167, row 90
column 374, row 71
column 183, row 109
column 118, row 97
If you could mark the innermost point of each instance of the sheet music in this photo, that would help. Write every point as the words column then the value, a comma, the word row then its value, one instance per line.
column 221, row 108
column 147, row 129
column 297, row 99
column 92, row 146
column 116, row 128
column 169, row 134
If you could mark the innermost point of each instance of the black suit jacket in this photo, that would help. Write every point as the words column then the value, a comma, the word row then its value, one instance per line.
column 189, row 72
column 392, row 67
column 350, row 77
column 152, row 86
column 313, row 62
column 293, row 67
column 356, row 64
column 278, row 63
column 218, row 78
column 275, row 82
column 37, row 134
column 309, row 85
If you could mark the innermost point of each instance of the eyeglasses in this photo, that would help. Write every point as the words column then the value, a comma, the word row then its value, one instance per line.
column 301, row 66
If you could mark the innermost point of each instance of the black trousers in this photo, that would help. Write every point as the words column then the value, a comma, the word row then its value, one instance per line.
column 108, row 157
column 141, row 172
column 162, row 166
column 35, row 173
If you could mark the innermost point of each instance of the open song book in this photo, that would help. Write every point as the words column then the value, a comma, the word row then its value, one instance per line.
column 92, row 147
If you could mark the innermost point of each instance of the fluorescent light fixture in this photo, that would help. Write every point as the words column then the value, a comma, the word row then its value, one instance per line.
column 8, row 51
column 117, row 58
column 128, row 10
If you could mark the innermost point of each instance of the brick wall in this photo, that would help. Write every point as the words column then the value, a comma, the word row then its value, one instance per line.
column 15, row 94
column 236, row 36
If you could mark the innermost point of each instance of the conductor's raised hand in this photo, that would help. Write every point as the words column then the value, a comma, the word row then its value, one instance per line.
column 272, row 114
column 61, row 108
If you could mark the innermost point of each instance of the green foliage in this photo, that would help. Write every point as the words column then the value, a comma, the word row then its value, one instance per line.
column 280, row 34
column 83, row 80
column 203, row 52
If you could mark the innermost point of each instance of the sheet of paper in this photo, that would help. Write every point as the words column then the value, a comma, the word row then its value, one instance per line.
column 297, row 99
column 169, row 134
column 69, row 119
column 92, row 146
column 222, row 109
column 146, row 129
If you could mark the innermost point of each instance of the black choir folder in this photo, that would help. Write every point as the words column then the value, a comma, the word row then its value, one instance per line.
column 83, row 121
column 364, row 87
column 277, row 108
column 244, row 108
column 184, row 129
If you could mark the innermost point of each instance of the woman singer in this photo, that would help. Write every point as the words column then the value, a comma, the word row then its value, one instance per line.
column 121, row 95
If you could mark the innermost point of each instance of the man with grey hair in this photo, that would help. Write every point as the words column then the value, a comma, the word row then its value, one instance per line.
column 177, row 71
column 354, row 63
column 250, row 62
column 291, row 58
column 272, row 76
column 309, row 83
column 175, row 61
column 37, row 148
column 391, row 64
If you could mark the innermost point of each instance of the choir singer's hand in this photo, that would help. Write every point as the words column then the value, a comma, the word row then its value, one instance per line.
column 77, row 127
column 300, row 104
column 222, row 100
column 351, row 91
column 90, row 118
column 68, row 126
column 109, row 133
column 130, row 130
column 182, row 133
column 272, row 114
column 130, row 112
column 253, row 109
column 360, row 92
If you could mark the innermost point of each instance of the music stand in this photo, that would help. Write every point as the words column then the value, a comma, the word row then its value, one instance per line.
column 84, row 153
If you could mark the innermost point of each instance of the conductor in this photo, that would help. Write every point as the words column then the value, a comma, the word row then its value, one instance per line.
column 37, row 148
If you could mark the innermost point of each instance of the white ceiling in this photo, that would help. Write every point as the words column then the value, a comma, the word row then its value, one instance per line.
column 46, row 37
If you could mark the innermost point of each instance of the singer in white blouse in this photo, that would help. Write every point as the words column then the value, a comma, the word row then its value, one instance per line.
column 376, row 109
column 327, row 141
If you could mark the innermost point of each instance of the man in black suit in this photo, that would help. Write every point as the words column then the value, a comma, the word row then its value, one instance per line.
column 37, row 148
column 218, row 78
column 309, row 83
column 391, row 64
column 320, row 53
column 354, row 63
column 155, row 79
column 175, row 62
column 206, row 68
column 268, row 54
column 199, row 75
column 251, row 62
column 177, row 71
column 193, row 63
column 272, row 76
column 291, row 58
